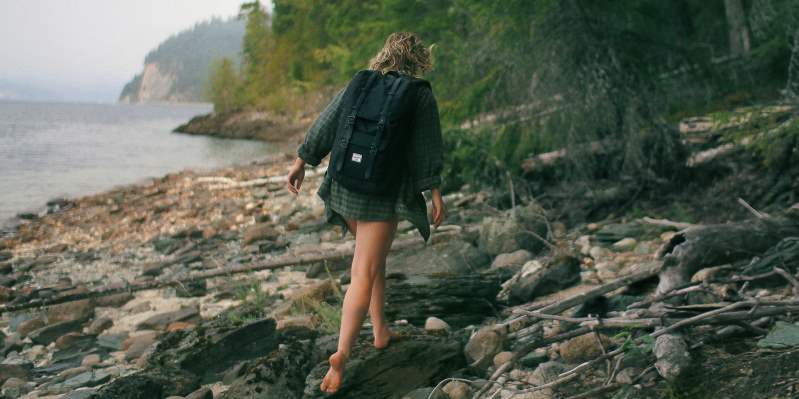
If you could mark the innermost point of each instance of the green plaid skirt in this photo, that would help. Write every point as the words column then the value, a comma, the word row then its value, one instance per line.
column 342, row 203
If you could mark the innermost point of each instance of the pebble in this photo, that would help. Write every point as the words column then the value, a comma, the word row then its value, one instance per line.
column 435, row 324
column 457, row 390
column 625, row 244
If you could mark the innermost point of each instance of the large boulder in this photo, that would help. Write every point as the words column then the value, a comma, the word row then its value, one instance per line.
column 452, row 257
column 414, row 360
column 540, row 278
column 513, row 230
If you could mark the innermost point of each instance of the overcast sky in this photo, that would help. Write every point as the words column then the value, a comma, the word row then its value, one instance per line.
column 86, row 50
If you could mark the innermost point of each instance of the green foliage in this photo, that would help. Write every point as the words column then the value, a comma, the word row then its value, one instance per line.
column 535, row 76
column 223, row 85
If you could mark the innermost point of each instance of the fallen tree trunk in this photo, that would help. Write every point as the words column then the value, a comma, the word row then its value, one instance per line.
column 459, row 300
column 705, row 246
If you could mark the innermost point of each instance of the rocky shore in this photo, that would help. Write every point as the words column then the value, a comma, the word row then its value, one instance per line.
column 223, row 285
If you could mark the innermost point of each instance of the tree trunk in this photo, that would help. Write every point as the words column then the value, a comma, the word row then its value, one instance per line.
column 737, row 27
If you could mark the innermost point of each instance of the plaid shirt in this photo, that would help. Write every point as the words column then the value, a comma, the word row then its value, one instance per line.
column 425, row 161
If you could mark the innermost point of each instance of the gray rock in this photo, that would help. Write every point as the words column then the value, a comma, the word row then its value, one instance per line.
column 14, row 388
column 513, row 259
column 112, row 341
column 511, row 231
column 435, row 324
column 19, row 371
column 457, row 390
column 49, row 333
column 783, row 335
column 99, row 325
column 483, row 345
column 536, row 279
column 547, row 372
column 672, row 356
column 136, row 345
column 452, row 257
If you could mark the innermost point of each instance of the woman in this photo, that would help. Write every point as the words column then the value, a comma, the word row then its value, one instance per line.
column 373, row 220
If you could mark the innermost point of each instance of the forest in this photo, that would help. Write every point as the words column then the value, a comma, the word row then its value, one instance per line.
column 518, row 78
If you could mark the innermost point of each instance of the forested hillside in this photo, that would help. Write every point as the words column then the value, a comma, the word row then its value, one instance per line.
column 178, row 68
column 517, row 78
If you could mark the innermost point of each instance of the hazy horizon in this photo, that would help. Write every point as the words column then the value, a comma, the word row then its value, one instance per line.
column 86, row 50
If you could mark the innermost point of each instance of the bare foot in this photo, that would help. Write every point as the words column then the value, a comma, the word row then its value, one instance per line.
column 383, row 336
column 332, row 380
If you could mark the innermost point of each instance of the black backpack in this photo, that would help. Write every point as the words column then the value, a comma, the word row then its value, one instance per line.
column 368, row 155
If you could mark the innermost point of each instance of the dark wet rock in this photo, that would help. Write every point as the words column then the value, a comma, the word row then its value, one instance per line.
column 280, row 374
column 161, row 320
column 72, row 355
column 6, row 267
column 192, row 289
column 452, row 257
column 414, row 360
column 212, row 348
column 783, row 335
column 536, row 279
column 49, row 333
column 112, row 341
column 8, row 280
column 6, row 255
column 534, row 358
column 458, row 299
column 424, row 393
column 149, row 384
column 20, row 371
column 90, row 378
column 511, row 230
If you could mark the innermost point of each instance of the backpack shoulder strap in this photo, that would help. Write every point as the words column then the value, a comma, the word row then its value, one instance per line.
column 385, row 114
column 349, row 119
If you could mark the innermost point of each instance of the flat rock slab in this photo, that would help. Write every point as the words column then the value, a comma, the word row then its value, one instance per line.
column 50, row 333
column 414, row 360
column 783, row 335
column 160, row 321
column 212, row 348
column 454, row 257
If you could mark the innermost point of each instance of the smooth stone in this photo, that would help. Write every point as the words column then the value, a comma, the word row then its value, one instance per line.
column 457, row 390
column 625, row 244
column 512, row 259
column 99, row 325
column 502, row 358
column 483, row 345
column 435, row 324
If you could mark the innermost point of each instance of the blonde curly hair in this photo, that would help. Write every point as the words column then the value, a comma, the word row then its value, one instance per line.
column 403, row 52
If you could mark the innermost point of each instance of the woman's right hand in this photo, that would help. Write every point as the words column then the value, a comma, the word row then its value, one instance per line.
column 296, row 175
column 438, row 207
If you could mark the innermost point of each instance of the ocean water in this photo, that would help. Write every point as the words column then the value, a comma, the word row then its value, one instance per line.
column 51, row 150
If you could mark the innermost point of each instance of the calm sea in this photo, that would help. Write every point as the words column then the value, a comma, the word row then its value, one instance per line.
column 50, row 150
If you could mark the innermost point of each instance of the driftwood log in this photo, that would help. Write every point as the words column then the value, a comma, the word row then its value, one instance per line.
column 699, row 247
column 459, row 300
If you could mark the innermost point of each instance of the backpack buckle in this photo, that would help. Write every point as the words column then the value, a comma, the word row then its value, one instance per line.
column 350, row 120
column 372, row 149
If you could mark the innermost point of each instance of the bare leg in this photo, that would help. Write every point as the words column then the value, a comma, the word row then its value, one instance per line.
column 377, row 302
column 371, row 246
